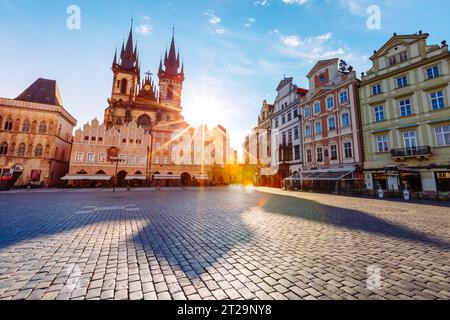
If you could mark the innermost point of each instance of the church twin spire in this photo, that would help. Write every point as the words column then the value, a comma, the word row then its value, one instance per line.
column 171, row 62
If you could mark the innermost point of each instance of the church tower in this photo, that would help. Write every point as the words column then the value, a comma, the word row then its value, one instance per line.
column 171, row 78
column 126, row 72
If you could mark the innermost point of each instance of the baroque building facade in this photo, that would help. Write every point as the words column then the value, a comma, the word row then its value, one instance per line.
column 35, row 136
column 404, row 100
column 331, row 126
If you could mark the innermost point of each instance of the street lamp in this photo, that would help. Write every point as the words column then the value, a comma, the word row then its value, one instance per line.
column 115, row 160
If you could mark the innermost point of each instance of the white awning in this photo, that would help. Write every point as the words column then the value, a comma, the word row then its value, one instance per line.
column 167, row 177
column 201, row 176
column 135, row 177
column 78, row 177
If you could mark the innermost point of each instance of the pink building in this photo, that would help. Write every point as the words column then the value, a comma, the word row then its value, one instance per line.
column 331, row 129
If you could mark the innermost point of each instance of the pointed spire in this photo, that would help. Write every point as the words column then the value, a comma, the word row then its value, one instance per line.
column 115, row 58
column 128, row 54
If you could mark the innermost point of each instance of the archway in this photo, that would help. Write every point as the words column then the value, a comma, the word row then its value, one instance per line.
column 185, row 179
column 121, row 182
column 145, row 122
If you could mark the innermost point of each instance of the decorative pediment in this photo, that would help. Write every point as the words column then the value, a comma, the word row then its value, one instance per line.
column 398, row 40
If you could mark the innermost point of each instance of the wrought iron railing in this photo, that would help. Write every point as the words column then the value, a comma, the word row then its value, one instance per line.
column 411, row 152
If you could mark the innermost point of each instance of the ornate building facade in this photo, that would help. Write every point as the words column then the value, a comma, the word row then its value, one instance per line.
column 404, row 100
column 35, row 135
column 331, row 127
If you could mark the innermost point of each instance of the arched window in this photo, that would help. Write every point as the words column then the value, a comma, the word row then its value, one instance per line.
column 34, row 126
column 38, row 151
column 26, row 126
column 3, row 149
column 22, row 149
column 123, row 86
column 43, row 127
column 8, row 124
column 119, row 122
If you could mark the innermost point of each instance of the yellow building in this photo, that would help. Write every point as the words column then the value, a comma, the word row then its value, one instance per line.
column 404, row 101
column 35, row 135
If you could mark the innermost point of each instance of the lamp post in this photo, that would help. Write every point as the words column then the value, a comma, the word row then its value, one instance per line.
column 149, row 153
column 115, row 160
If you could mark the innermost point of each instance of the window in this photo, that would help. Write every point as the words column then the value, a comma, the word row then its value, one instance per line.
column 308, row 131
column 309, row 156
column 123, row 158
column 405, row 108
column 4, row 149
column 330, row 103
column 297, row 152
column 331, row 124
column 383, row 144
column 296, row 113
column 166, row 160
column 316, row 108
column 348, row 150
column 402, row 82
column 296, row 133
column 318, row 127
column 284, row 138
column 132, row 159
column 157, row 160
column 443, row 136
column 343, row 96
column 289, row 117
column 290, row 136
column 79, row 157
column 403, row 56
column 276, row 123
column 307, row 111
column 8, row 125
column 166, row 146
column 433, row 72
column 26, row 126
column 21, row 150
column 376, row 89
column 345, row 120
column 158, row 145
column 379, row 113
column 334, row 154
column 283, row 119
column 319, row 154
column 90, row 157
column 38, row 151
column 437, row 100
column 101, row 157
column 123, row 86
column 392, row 61
column 43, row 127
column 141, row 159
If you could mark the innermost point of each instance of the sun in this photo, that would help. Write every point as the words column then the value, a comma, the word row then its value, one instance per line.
column 203, row 110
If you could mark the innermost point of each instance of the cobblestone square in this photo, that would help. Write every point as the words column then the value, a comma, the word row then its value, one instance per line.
column 224, row 243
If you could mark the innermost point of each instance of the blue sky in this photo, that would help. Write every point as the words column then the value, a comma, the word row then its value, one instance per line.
column 235, row 51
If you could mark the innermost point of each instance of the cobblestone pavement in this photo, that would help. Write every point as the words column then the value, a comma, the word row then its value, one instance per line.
column 225, row 243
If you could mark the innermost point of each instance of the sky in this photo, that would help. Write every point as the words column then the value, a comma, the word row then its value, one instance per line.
column 235, row 51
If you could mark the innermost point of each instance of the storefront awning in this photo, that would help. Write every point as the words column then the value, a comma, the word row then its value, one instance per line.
column 167, row 177
column 79, row 177
column 135, row 177
column 201, row 177
column 327, row 175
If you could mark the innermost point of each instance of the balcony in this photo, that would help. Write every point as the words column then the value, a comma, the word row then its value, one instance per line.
column 421, row 153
